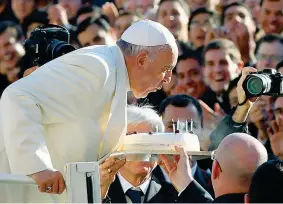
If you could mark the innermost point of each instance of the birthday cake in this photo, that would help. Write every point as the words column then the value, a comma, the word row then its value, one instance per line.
column 160, row 141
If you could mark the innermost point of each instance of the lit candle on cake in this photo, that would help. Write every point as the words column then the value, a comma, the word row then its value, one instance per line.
column 186, row 126
column 173, row 123
column 192, row 125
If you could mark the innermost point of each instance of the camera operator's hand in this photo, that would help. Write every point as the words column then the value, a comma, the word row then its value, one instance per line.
column 245, row 104
column 276, row 137
column 30, row 70
column 258, row 116
column 57, row 15
column 49, row 181
column 240, row 91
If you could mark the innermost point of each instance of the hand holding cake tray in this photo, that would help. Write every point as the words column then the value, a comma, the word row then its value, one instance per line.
column 142, row 146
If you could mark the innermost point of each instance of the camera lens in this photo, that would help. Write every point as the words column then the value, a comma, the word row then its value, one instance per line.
column 255, row 85
column 62, row 49
column 58, row 48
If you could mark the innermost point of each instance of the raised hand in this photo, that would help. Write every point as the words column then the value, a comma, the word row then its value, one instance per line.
column 108, row 170
column 275, row 134
column 179, row 170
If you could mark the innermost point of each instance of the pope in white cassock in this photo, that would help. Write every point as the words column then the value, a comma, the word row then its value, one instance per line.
column 73, row 109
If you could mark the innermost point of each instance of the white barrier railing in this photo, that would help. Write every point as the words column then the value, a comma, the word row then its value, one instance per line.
column 83, row 178
column 82, row 182
column 16, row 179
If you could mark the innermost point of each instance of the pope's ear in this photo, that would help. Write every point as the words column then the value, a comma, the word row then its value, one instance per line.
column 141, row 59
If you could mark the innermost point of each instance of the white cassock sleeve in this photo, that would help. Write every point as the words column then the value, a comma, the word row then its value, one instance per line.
column 21, row 112
column 23, row 133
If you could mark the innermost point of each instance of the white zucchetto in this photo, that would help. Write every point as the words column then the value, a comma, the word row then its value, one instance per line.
column 148, row 33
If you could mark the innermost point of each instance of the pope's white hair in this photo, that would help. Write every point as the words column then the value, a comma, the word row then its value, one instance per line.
column 133, row 50
column 144, row 114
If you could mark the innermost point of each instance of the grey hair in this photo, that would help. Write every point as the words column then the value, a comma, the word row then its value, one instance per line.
column 144, row 114
column 133, row 50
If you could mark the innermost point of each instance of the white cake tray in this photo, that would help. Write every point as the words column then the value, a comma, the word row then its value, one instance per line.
column 196, row 155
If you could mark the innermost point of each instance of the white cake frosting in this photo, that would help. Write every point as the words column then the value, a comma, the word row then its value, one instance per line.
column 160, row 141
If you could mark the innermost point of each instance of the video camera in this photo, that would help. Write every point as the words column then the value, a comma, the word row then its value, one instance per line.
column 46, row 43
column 267, row 82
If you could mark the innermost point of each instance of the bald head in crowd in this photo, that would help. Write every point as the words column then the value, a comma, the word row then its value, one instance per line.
column 237, row 158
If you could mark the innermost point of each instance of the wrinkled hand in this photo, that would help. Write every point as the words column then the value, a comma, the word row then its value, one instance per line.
column 49, row 178
column 214, row 33
column 30, row 70
column 179, row 170
column 108, row 170
column 258, row 114
column 211, row 118
column 276, row 137
column 57, row 15
column 240, row 35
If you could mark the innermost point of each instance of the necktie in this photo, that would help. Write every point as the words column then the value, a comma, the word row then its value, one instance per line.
column 134, row 195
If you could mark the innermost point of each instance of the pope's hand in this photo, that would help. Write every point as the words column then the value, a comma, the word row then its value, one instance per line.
column 108, row 170
column 49, row 181
column 179, row 170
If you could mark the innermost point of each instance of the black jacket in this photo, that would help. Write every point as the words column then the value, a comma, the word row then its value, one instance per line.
column 201, row 176
column 166, row 193
column 194, row 193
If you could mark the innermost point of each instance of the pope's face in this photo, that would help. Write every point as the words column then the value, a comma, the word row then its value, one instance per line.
column 154, row 69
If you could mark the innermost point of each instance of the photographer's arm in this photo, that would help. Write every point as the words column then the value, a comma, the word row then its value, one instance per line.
column 236, row 121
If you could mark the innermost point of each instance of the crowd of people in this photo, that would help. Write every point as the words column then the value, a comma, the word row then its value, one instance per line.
column 220, row 42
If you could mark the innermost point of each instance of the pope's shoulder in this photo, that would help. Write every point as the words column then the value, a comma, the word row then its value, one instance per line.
column 96, row 59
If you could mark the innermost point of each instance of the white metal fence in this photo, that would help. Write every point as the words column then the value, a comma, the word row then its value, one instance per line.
column 82, row 182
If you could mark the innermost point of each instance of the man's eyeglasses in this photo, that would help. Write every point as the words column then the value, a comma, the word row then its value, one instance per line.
column 207, row 23
column 213, row 157
column 278, row 111
column 271, row 57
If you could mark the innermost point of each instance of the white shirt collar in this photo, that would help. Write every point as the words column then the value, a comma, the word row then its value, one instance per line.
column 122, row 63
column 127, row 185
column 194, row 169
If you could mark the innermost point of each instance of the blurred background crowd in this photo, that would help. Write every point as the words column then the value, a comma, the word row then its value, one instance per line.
column 216, row 39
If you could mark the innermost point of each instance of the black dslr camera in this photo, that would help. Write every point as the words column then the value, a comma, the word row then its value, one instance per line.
column 46, row 43
column 267, row 82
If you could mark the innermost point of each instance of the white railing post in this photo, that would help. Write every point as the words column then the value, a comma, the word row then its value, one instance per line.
column 83, row 182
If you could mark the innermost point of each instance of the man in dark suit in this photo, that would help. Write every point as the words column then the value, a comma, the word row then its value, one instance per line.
column 184, row 107
column 201, row 176
column 157, row 192
column 231, row 180
column 135, row 183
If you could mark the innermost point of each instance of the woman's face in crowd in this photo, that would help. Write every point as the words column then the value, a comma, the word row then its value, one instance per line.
column 71, row 6
column 199, row 26
column 23, row 8
column 122, row 23
column 172, row 16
